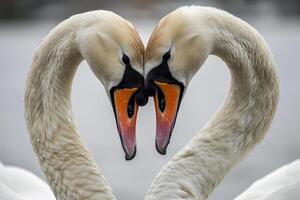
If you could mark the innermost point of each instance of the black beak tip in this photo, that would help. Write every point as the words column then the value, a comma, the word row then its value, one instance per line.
column 130, row 157
column 162, row 151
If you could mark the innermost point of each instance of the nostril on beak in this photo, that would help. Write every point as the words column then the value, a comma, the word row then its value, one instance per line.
column 141, row 96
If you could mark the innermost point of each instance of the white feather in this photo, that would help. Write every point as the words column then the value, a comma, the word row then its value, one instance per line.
column 20, row 184
column 281, row 184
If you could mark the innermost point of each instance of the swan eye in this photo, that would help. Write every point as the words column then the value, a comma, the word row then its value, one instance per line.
column 166, row 56
column 125, row 59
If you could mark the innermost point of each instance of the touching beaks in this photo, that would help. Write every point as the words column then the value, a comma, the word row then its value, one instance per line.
column 126, row 101
column 128, row 95
column 167, row 100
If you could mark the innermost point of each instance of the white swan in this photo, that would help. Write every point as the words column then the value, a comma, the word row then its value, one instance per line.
column 114, row 51
column 282, row 184
column 177, row 48
column 196, row 170
column 20, row 184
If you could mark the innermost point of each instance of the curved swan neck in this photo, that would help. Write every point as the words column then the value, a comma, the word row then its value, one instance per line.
column 69, row 168
column 240, row 123
column 254, row 90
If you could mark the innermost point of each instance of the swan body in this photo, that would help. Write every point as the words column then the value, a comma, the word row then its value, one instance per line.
column 177, row 48
column 114, row 51
column 281, row 184
column 20, row 184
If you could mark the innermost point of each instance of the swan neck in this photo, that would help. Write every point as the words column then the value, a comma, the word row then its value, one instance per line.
column 248, row 110
column 239, row 124
column 68, row 166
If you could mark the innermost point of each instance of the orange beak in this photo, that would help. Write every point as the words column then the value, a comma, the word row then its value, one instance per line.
column 167, row 100
column 126, row 110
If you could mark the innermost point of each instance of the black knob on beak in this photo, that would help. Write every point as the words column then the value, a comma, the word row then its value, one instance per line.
column 141, row 96
column 150, row 89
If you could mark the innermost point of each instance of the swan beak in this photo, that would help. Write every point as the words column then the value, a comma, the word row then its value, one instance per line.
column 126, row 109
column 167, row 100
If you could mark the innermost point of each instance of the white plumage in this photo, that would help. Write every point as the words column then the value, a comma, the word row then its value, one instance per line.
column 19, row 184
column 281, row 184
column 71, row 172
column 197, row 169
column 191, row 34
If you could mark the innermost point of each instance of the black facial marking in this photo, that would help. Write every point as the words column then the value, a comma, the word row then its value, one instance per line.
column 162, row 74
column 167, row 56
column 131, row 79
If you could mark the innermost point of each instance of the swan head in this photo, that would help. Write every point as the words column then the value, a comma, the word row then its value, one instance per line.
column 175, row 51
column 114, row 51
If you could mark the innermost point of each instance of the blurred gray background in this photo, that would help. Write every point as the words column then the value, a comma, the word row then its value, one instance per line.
column 24, row 23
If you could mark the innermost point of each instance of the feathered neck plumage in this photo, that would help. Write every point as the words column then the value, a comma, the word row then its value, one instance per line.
column 69, row 168
column 239, row 124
